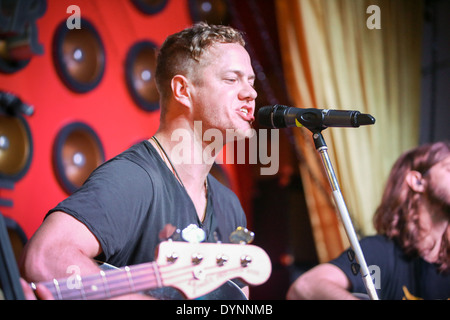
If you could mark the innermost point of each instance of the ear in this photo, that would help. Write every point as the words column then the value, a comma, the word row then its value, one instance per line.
column 180, row 90
column 415, row 181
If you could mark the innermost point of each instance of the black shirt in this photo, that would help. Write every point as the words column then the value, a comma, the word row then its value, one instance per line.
column 393, row 273
column 129, row 199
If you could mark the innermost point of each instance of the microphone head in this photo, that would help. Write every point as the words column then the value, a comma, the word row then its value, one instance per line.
column 272, row 116
column 365, row 119
column 264, row 116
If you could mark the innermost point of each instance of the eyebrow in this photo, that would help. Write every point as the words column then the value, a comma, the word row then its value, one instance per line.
column 252, row 76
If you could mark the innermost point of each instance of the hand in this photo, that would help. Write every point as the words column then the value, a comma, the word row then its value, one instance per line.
column 41, row 292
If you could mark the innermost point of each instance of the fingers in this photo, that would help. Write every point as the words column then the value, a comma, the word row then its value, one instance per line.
column 41, row 292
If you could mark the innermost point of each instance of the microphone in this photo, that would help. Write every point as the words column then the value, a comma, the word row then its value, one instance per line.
column 279, row 116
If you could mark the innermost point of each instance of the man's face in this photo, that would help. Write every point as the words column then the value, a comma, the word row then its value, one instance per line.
column 224, row 97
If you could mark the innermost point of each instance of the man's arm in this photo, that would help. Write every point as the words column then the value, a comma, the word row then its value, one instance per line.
column 323, row 282
column 61, row 241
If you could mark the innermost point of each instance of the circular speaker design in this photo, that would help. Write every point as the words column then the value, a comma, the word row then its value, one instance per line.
column 150, row 6
column 16, row 147
column 77, row 152
column 211, row 11
column 140, row 69
column 79, row 56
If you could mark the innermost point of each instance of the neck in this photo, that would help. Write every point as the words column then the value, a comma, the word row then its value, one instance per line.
column 182, row 140
column 185, row 148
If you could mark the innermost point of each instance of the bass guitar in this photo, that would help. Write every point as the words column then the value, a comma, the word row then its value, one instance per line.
column 193, row 269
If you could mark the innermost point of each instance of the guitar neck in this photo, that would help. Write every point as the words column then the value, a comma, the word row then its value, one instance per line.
column 193, row 269
column 107, row 284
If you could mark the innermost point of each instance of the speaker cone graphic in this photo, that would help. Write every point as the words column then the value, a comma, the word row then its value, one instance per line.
column 16, row 147
column 211, row 11
column 79, row 56
column 77, row 152
column 150, row 6
column 140, row 69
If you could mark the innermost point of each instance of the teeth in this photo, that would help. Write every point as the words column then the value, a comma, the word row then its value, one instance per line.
column 243, row 110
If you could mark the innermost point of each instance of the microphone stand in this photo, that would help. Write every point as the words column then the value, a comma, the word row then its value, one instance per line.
column 316, row 120
column 322, row 148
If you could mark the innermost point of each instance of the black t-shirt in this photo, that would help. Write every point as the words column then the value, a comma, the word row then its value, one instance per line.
column 393, row 273
column 129, row 199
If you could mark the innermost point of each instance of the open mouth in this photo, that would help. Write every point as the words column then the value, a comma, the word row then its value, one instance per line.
column 246, row 114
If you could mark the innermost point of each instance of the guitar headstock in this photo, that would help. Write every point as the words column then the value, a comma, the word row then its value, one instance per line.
column 198, row 268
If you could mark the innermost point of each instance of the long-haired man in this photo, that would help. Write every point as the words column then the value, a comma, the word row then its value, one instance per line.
column 410, row 255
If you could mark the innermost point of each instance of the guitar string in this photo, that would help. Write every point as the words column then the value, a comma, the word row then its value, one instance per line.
column 114, row 281
column 75, row 293
column 118, row 281
column 140, row 274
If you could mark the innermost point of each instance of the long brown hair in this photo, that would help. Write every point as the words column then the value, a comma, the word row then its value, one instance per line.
column 397, row 217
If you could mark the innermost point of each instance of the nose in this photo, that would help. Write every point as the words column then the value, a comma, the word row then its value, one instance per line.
column 248, row 92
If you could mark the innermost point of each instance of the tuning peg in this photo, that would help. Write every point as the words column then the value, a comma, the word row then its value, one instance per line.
column 197, row 258
column 245, row 261
column 193, row 234
column 242, row 236
column 172, row 258
column 221, row 260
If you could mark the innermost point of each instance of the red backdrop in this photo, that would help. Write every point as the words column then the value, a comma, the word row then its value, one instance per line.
column 109, row 108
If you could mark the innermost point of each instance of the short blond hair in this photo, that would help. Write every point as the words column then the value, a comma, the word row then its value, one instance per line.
column 181, row 52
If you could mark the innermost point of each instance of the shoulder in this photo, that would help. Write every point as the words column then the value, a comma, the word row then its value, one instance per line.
column 382, row 247
column 376, row 249
column 141, row 154
column 378, row 241
column 136, row 162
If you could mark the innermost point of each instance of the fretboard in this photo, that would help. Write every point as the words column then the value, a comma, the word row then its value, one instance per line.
column 107, row 284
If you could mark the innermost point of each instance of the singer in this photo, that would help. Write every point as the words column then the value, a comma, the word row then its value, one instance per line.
column 203, row 74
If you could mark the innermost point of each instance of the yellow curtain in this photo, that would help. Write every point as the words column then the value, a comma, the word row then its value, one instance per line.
column 348, row 54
